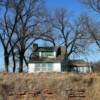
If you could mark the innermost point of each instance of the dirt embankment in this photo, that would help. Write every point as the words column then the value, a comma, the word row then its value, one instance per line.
column 49, row 86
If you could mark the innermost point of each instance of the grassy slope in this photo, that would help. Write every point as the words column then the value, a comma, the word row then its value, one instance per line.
column 48, row 86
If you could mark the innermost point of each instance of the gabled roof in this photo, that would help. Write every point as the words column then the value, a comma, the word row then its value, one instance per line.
column 37, row 48
column 45, row 60
column 46, row 49
column 78, row 63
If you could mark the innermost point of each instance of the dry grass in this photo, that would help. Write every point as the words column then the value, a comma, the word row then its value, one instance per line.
column 48, row 86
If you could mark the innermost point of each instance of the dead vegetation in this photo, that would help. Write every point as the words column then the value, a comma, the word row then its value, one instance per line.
column 49, row 86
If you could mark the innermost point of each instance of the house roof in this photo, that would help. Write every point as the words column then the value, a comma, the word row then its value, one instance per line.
column 44, row 60
column 46, row 49
column 78, row 63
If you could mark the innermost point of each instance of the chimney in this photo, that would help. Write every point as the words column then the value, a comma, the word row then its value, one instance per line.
column 63, row 50
column 58, row 51
column 35, row 47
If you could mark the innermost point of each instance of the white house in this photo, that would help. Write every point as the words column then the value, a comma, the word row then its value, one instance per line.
column 46, row 59
column 80, row 66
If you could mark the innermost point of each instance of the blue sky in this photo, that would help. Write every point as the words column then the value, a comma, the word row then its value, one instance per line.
column 72, row 5
column 76, row 8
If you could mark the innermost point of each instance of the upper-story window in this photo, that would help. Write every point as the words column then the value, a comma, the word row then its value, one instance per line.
column 47, row 54
column 43, row 67
column 35, row 54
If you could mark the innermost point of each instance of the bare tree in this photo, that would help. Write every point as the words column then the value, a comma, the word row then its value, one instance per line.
column 96, row 66
column 6, row 33
column 93, row 4
column 93, row 28
column 18, row 32
column 30, row 28
column 29, row 18
column 68, row 33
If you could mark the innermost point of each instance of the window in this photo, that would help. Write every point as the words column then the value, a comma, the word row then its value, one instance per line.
column 50, row 66
column 35, row 54
column 44, row 67
column 37, row 67
column 46, row 54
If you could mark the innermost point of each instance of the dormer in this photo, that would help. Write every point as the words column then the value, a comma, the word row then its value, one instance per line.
column 35, row 47
column 46, row 52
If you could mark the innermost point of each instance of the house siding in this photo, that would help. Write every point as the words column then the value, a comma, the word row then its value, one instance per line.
column 53, row 56
column 55, row 67
column 82, row 69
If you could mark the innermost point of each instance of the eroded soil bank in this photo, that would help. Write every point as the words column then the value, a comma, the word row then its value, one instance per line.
column 49, row 86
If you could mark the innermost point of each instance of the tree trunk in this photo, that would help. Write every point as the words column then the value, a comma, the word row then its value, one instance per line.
column 67, row 63
column 14, row 63
column 6, row 60
column 26, row 62
column 66, row 60
column 21, row 62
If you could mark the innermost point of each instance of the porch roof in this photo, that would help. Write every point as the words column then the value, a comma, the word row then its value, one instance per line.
column 79, row 63
column 45, row 60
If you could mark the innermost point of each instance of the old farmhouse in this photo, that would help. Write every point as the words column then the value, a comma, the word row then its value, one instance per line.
column 46, row 59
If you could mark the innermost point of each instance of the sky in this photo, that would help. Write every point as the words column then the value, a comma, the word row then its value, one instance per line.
column 75, row 8
column 72, row 5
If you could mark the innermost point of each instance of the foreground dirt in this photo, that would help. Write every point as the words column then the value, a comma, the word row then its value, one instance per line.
column 49, row 86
